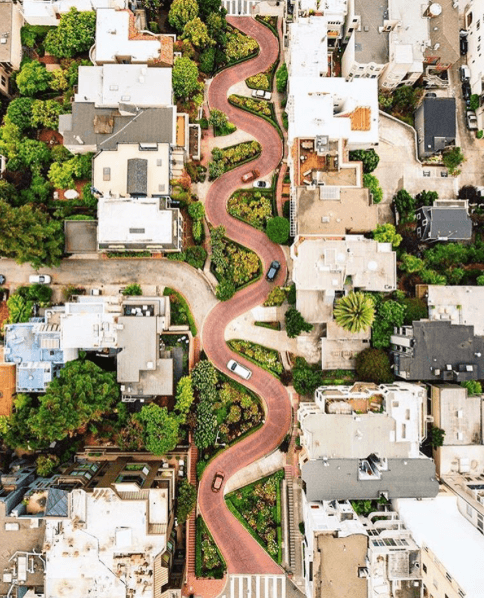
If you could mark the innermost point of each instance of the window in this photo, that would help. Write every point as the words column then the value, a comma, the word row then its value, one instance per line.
column 424, row 567
column 106, row 174
column 449, row 577
column 469, row 510
column 435, row 584
column 478, row 24
column 461, row 594
column 4, row 81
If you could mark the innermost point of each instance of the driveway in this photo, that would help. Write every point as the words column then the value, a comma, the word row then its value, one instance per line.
column 98, row 273
column 240, row 550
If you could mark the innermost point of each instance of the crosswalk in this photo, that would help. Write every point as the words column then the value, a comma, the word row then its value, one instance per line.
column 241, row 8
column 255, row 586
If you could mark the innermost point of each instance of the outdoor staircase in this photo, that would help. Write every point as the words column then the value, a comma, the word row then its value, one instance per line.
column 191, row 528
column 290, row 513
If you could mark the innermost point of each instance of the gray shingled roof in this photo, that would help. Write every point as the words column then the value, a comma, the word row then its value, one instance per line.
column 439, row 123
column 337, row 479
column 452, row 223
column 57, row 503
column 137, row 176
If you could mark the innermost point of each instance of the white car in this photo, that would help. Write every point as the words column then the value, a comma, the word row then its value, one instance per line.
column 471, row 121
column 40, row 279
column 239, row 369
column 261, row 94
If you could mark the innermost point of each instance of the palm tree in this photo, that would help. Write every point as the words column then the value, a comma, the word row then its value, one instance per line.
column 354, row 312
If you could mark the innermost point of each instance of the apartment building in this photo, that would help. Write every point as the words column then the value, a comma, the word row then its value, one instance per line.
column 48, row 12
column 473, row 18
column 11, row 22
column 458, row 304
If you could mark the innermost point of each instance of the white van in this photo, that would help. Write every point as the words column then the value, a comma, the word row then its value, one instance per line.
column 465, row 73
column 239, row 369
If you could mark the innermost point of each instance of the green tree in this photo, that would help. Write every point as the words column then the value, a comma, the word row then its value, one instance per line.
column 277, row 229
column 416, row 309
column 15, row 430
column 19, row 309
column 452, row 159
column 29, row 235
column 281, row 78
column 46, row 114
column 437, row 436
column 187, row 499
column 197, row 33
column 373, row 184
column 74, row 34
column 215, row 169
column 480, row 280
column 217, row 25
column 204, row 376
column 404, row 202
column 161, row 429
column 184, row 396
column 218, row 119
column 225, row 289
column 33, row 78
column 7, row 192
column 386, row 233
column 61, row 175
column 373, row 365
column 389, row 314
column 369, row 158
column 411, row 264
column 426, row 198
column 33, row 153
column 39, row 191
column 184, row 77
column 474, row 387
column 10, row 135
column 432, row 277
column 196, row 210
column 45, row 465
column 132, row 290
column 306, row 378
column 19, row 112
column 82, row 393
column 295, row 323
column 206, row 429
column 181, row 12
column 207, row 61
column 355, row 312
column 209, row 7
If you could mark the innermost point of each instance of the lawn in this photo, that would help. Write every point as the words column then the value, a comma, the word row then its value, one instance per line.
column 258, row 507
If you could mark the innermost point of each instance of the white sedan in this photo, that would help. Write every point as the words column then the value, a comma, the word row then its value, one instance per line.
column 261, row 94
column 40, row 279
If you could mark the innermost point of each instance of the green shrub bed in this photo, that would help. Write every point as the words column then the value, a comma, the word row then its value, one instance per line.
column 260, row 108
column 266, row 358
column 208, row 559
column 251, row 206
column 180, row 311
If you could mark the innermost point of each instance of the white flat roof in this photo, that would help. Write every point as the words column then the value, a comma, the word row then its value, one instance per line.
column 136, row 84
column 309, row 47
column 112, row 38
column 414, row 29
column 125, row 220
column 459, row 305
column 454, row 541
column 324, row 105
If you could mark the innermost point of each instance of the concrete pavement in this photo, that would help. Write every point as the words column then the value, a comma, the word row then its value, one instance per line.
column 100, row 273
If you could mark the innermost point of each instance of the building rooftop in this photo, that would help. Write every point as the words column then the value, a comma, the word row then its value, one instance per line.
column 371, row 45
column 133, row 169
column 446, row 220
column 80, row 236
column 457, row 544
column 333, row 107
column 7, row 387
column 326, row 263
column 109, row 85
column 439, row 122
column 118, row 38
column 338, row 479
column 456, row 413
column 11, row 21
column 308, row 47
column 105, row 128
column 352, row 212
column 458, row 304
column 413, row 29
column 336, row 566
column 444, row 34
column 137, row 224
column 45, row 12
column 438, row 351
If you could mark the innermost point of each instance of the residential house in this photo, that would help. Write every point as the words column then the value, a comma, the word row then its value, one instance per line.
column 334, row 13
column 11, row 22
column 35, row 348
column 443, row 50
column 460, row 416
column 451, row 547
column 435, row 122
column 49, row 12
column 362, row 441
column 458, row 304
column 474, row 17
column 119, row 41
column 437, row 351
column 445, row 220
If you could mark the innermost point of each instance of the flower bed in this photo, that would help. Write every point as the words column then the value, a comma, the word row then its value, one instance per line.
column 266, row 358
column 239, row 46
column 231, row 157
column 258, row 508
column 208, row 560
column 230, row 260
column 270, row 325
column 260, row 108
column 270, row 22
column 180, row 311
column 251, row 206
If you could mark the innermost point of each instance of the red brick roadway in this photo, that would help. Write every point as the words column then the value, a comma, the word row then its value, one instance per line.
column 242, row 553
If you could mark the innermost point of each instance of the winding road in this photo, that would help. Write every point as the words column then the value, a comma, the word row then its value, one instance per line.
column 242, row 553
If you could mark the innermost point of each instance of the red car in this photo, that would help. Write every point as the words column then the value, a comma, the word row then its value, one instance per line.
column 250, row 176
column 217, row 481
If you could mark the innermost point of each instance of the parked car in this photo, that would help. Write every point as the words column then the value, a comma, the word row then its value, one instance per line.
column 239, row 369
column 465, row 73
column 217, row 481
column 471, row 120
column 431, row 95
column 2, row 279
column 273, row 270
column 40, row 279
column 260, row 185
column 261, row 94
column 250, row 176
column 463, row 45
column 466, row 90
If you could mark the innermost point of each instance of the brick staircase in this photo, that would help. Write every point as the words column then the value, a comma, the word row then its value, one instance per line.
column 290, row 512
column 191, row 528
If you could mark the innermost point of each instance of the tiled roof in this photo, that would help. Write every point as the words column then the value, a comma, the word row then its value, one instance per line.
column 7, row 387
column 361, row 119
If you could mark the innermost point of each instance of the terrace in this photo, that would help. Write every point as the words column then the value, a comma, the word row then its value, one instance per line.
column 318, row 161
